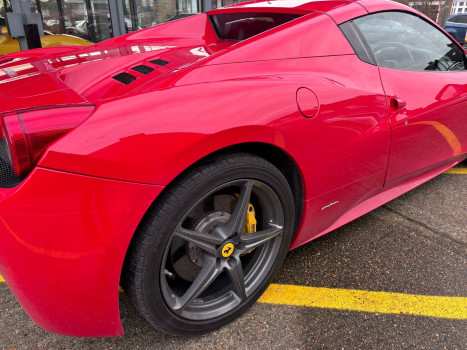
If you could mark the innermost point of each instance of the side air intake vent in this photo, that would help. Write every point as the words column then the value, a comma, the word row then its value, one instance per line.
column 124, row 78
column 143, row 69
column 159, row 62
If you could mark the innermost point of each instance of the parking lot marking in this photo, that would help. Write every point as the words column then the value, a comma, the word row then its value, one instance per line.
column 360, row 300
column 456, row 171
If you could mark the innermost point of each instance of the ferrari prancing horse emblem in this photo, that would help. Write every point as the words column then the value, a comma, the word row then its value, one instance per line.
column 227, row 250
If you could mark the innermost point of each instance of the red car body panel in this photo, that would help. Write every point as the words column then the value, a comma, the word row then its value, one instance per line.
column 435, row 111
column 57, row 244
column 62, row 247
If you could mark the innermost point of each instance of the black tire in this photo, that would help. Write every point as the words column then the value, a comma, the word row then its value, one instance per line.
column 179, row 271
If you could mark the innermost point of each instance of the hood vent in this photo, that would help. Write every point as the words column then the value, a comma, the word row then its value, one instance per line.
column 124, row 78
column 159, row 62
column 143, row 69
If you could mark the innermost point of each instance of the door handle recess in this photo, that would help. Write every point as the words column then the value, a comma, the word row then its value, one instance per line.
column 397, row 104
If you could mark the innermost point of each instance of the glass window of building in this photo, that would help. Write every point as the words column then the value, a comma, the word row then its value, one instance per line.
column 131, row 21
column 141, row 14
column 34, row 5
column 87, row 19
column 221, row 3
column 51, row 17
column 5, row 7
column 91, row 19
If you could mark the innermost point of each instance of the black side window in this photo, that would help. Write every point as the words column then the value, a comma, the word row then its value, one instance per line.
column 455, row 19
column 404, row 41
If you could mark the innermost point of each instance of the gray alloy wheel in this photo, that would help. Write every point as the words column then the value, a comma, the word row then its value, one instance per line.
column 211, row 245
column 215, row 249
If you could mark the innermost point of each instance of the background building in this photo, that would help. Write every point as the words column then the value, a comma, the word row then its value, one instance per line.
column 98, row 20
column 430, row 8
column 458, row 6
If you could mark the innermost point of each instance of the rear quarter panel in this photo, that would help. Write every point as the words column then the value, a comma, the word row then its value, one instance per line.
column 154, row 136
column 235, row 98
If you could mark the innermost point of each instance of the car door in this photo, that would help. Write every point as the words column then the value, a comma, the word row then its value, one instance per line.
column 424, row 76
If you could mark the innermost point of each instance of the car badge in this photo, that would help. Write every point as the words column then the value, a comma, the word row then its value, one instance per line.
column 227, row 250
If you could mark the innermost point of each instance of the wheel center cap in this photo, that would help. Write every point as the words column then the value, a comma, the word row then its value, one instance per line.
column 227, row 250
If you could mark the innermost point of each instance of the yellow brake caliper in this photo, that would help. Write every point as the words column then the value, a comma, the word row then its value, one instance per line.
column 250, row 222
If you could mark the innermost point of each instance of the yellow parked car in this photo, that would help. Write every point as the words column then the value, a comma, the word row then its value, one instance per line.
column 9, row 44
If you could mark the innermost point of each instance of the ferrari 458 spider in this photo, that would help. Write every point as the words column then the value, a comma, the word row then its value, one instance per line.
column 183, row 161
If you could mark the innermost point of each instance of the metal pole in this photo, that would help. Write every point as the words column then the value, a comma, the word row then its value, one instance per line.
column 24, row 25
column 117, row 18
column 20, row 7
column 91, row 28
column 207, row 5
column 134, row 15
column 61, row 17
column 39, row 8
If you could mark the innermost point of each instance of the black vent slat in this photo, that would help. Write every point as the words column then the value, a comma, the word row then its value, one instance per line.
column 125, row 78
column 159, row 62
column 143, row 69
column 7, row 176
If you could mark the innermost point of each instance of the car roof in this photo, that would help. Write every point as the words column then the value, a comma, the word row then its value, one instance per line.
column 340, row 10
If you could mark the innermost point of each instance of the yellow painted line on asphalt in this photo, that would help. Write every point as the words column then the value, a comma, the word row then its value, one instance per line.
column 366, row 301
column 360, row 300
column 456, row 171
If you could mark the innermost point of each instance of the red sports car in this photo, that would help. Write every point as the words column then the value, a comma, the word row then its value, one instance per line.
column 183, row 161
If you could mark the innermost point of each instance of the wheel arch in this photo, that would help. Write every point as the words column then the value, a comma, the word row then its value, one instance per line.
column 238, row 160
column 273, row 154
column 281, row 160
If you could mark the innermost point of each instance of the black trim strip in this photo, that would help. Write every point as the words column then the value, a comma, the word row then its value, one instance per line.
column 355, row 37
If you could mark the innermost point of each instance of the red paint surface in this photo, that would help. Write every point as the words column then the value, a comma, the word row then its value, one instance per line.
column 63, row 238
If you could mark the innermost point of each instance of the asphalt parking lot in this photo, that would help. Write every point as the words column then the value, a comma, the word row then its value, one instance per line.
column 412, row 252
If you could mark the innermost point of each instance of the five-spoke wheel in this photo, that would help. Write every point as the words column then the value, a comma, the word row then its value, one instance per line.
column 211, row 244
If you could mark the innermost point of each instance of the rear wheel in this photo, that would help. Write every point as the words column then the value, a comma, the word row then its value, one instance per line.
column 211, row 245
